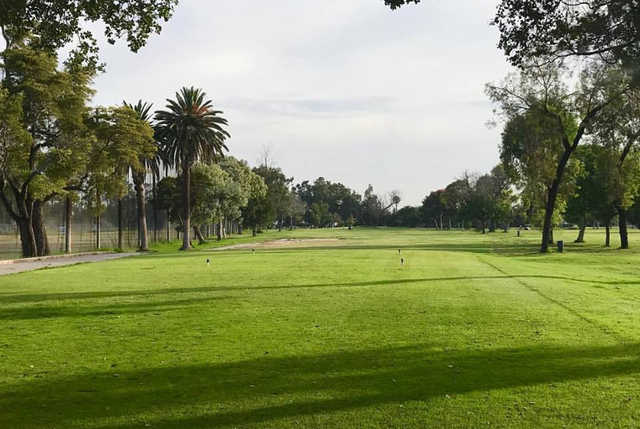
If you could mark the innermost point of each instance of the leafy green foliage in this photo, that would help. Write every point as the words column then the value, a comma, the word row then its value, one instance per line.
column 56, row 23
column 395, row 4
column 531, row 30
column 43, row 138
column 191, row 129
column 122, row 140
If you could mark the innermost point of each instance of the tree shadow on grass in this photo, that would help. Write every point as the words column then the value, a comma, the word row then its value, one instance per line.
column 266, row 389
column 113, row 309
column 36, row 298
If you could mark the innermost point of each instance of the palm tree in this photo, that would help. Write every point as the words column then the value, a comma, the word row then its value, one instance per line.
column 148, row 164
column 189, row 131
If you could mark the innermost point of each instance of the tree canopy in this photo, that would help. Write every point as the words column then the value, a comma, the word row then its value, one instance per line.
column 57, row 23
column 609, row 29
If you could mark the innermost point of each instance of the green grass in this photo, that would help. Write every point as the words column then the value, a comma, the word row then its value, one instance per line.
column 474, row 331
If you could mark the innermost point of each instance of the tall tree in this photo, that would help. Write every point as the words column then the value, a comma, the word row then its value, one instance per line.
column 433, row 209
column 43, row 137
column 277, row 191
column 121, row 139
column 191, row 130
column 619, row 134
column 257, row 211
column 149, row 162
column 565, row 115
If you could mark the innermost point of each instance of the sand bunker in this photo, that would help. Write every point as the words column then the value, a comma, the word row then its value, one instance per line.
column 285, row 242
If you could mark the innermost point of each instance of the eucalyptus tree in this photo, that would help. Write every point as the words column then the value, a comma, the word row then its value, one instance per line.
column 239, row 192
column 433, row 209
column 372, row 208
column 190, row 130
column 619, row 134
column 43, row 139
column 149, row 161
column 258, row 210
column 562, row 116
column 277, row 191
column 590, row 191
column 121, row 140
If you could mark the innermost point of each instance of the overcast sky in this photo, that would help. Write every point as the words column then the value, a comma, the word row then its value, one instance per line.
column 344, row 89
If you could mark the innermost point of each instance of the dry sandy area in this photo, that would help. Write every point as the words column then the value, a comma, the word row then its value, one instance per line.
column 20, row 265
column 277, row 244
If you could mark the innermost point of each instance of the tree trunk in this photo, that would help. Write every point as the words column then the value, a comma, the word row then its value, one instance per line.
column 580, row 238
column 67, row 224
column 120, row 232
column 168, row 227
column 155, row 208
column 40, row 230
column 143, row 231
column 186, row 190
column 98, row 242
column 253, row 230
column 219, row 230
column 198, row 234
column 547, row 234
column 607, row 237
column 27, row 238
column 551, row 240
column 622, row 221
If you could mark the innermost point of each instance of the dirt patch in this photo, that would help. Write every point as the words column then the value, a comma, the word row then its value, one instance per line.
column 278, row 244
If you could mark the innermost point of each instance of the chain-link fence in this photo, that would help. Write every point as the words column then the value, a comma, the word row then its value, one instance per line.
column 83, row 227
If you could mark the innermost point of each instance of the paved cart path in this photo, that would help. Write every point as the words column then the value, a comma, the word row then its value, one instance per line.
column 21, row 265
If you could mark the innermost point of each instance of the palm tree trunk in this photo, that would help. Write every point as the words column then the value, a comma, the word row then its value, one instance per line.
column 186, row 190
column 143, row 232
column 155, row 208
